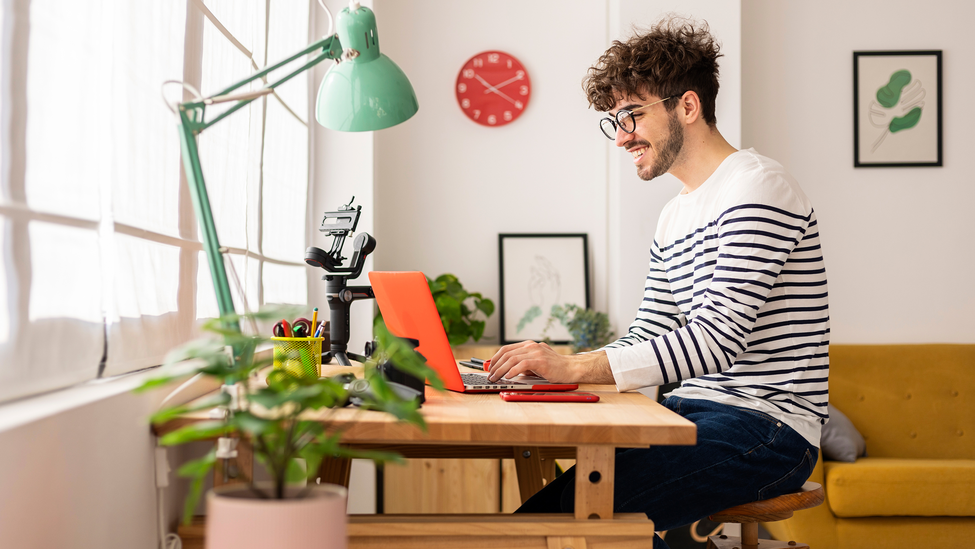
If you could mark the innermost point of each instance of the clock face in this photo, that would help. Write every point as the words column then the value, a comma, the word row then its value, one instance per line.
column 493, row 88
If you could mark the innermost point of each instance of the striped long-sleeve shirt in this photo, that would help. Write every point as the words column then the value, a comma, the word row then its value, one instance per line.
column 736, row 306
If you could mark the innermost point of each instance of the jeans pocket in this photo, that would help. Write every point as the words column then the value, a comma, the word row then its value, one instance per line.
column 791, row 481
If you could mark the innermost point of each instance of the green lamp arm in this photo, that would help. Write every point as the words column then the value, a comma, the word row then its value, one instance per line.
column 191, row 123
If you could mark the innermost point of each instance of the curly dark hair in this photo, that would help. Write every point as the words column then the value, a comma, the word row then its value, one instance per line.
column 675, row 56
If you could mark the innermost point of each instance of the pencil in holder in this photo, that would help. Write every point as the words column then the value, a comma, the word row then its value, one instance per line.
column 302, row 356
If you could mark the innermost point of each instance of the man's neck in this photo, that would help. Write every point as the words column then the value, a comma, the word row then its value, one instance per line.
column 704, row 150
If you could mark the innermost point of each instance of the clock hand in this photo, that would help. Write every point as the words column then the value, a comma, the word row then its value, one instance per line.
column 506, row 82
column 491, row 88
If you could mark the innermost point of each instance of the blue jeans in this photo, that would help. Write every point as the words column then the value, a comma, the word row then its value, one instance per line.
column 741, row 456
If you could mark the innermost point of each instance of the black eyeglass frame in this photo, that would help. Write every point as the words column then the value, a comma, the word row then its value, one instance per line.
column 617, row 122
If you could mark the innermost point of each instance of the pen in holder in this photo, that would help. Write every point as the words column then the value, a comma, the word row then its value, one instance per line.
column 302, row 356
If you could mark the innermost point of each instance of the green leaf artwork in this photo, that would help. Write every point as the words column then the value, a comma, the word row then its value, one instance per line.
column 898, row 105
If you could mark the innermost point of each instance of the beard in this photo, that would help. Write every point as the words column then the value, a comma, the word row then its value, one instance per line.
column 667, row 154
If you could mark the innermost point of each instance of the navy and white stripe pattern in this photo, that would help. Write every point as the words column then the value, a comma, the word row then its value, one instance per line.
column 735, row 305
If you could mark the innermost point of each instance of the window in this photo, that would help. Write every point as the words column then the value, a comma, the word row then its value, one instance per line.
column 102, row 266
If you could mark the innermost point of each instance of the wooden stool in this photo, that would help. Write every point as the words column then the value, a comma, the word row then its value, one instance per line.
column 769, row 510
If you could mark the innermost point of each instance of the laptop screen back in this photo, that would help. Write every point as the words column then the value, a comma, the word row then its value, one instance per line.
column 409, row 312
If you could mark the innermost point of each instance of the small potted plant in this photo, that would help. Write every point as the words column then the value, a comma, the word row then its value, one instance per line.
column 458, row 309
column 271, row 414
column 588, row 328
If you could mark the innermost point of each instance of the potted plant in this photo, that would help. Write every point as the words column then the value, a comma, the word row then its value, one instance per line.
column 271, row 414
column 588, row 328
column 458, row 309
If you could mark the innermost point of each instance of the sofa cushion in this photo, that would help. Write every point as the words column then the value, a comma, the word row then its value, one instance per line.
column 840, row 440
column 874, row 487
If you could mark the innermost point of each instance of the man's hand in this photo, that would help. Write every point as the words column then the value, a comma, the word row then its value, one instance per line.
column 529, row 357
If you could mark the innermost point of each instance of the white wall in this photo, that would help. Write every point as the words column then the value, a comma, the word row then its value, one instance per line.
column 77, row 469
column 447, row 186
column 897, row 241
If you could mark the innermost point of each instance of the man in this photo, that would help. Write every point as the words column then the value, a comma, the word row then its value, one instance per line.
column 735, row 306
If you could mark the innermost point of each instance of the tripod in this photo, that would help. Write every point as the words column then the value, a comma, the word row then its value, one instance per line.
column 339, row 294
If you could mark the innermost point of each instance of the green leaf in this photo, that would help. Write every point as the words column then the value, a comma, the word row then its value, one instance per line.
column 210, row 401
column 456, row 290
column 477, row 329
column 198, row 470
column 448, row 306
column 197, row 467
column 446, row 279
column 251, row 424
column 295, row 471
column 459, row 333
column 196, row 431
column 486, row 306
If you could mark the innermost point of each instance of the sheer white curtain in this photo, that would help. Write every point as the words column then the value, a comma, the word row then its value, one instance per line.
column 102, row 273
column 141, row 258
column 286, row 167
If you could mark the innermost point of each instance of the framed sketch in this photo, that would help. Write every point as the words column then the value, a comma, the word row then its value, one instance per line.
column 537, row 272
column 896, row 108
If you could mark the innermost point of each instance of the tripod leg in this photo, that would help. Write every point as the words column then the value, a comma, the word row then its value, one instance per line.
column 326, row 357
column 341, row 358
column 357, row 358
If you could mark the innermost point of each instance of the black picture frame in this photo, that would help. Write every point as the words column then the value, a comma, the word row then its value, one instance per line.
column 893, row 92
column 540, row 270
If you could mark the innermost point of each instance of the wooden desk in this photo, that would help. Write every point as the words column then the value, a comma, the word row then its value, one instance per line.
column 484, row 426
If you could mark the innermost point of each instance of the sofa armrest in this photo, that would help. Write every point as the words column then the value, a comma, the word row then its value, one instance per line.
column 815, row 527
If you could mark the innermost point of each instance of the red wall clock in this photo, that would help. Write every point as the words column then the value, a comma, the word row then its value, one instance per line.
column 493, row 88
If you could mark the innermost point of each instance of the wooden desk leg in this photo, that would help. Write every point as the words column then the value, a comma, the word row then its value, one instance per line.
column 335, row 471
column 241, row 468
column 595, row 475
column 528, row 464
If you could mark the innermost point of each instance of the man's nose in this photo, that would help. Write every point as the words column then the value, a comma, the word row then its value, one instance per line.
column 622, row 138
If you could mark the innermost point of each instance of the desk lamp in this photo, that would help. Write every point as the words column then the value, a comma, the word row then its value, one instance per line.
column 364, row 91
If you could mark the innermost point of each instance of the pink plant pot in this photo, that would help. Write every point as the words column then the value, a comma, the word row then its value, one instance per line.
column 239, row 519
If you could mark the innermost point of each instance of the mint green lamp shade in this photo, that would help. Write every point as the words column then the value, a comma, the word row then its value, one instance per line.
column 366, row 92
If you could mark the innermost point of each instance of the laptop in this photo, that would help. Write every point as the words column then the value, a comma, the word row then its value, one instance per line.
column 409, row 312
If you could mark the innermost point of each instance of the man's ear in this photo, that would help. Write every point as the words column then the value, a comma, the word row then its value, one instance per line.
column 689, row 108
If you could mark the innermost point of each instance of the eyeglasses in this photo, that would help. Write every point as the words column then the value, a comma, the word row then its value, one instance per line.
column 624, row 120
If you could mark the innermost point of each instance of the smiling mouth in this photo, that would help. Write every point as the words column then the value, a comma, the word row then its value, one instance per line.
column 638, row 153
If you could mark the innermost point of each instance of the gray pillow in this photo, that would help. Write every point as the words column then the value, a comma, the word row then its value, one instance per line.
column 840, row 440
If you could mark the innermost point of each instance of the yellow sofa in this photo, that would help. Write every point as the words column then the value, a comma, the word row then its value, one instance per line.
column 915, row 407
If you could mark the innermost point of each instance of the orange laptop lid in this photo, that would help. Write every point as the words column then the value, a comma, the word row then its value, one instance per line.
column 409, row 312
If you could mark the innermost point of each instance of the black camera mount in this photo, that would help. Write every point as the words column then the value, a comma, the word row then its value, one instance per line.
column 339, row 294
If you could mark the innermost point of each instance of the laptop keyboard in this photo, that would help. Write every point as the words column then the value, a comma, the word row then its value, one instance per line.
column 481, row 379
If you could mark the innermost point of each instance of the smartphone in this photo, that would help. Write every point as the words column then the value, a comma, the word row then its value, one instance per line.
column 567, row 396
